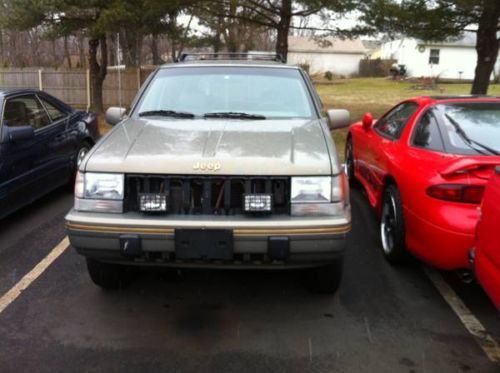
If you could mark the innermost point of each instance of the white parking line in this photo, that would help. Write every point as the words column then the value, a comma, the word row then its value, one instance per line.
column 471, row 323
column 32, row 275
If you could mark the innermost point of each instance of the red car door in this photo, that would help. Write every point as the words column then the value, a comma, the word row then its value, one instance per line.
column 384, row 149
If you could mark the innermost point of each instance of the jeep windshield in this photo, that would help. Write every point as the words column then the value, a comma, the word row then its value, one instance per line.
column 230, row 92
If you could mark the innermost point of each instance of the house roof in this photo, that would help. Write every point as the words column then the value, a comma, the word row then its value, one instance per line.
column 305, row 44
column 371, row 45
column 468, row 39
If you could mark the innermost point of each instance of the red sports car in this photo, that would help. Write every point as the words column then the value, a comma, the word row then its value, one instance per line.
column 486, row 255
column 424, row 166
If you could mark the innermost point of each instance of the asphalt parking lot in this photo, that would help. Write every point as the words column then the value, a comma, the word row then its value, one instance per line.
column 383, row 319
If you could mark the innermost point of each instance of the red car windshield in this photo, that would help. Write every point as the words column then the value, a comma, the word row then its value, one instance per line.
column 471, row 128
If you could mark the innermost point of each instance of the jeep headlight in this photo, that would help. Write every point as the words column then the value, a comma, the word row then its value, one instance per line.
column 319, row 195
column 311, row 189
column 99, row 192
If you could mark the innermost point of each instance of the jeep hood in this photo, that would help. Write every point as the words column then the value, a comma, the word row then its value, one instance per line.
column 236, row 147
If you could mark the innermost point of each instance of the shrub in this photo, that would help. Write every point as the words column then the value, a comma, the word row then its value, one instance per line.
column 328, row 75
column 305, row 67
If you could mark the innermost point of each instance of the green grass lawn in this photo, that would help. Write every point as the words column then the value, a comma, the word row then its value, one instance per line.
column 377, row 95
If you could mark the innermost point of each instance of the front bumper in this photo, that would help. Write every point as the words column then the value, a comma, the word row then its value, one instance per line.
column 311, row 241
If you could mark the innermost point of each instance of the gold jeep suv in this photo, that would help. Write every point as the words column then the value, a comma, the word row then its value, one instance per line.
column 221, row 162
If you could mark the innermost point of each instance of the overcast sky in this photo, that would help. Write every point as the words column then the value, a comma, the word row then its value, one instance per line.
column 344, row 22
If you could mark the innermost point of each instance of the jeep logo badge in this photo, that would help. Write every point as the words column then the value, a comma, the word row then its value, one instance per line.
column 207, row 166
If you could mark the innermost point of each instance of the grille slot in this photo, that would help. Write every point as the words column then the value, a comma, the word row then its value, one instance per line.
column 207, row 195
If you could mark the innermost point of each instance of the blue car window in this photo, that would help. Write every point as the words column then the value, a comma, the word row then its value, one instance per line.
column 25, row 111
column 54, row 113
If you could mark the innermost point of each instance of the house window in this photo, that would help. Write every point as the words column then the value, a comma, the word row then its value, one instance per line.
column 434, row 57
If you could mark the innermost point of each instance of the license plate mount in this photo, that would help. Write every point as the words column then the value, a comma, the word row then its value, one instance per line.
column 204, row 244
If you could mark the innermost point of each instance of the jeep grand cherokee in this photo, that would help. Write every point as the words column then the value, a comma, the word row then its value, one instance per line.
column 221, row 163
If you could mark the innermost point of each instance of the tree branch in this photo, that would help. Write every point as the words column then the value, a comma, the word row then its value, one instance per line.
column 305, row 13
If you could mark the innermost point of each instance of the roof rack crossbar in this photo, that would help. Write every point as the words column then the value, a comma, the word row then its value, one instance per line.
column 241, row 56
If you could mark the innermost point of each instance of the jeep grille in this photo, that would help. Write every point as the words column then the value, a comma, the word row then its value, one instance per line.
column 207, row 195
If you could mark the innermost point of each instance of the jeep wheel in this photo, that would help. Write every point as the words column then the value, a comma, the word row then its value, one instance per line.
column 81, row 153
column 392, row 227
column 109, row 276
column 326, row 279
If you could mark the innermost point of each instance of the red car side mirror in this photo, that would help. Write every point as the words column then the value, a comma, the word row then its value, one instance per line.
column 367, row 121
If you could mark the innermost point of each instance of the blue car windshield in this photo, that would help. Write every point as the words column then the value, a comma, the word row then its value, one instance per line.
column 480, row 122
column 276, row 93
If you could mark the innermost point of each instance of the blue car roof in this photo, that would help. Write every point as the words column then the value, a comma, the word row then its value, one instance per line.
column 10, row 91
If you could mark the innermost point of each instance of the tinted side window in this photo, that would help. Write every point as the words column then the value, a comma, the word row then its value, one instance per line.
column 54, row 113
column 393, row 124
column 25, row 111
column 426, row 133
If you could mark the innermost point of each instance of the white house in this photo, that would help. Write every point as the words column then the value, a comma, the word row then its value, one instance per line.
column 451, row 59
column 341, row 57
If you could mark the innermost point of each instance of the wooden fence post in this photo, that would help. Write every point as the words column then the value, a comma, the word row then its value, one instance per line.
column 87, row 89
column 40, row 79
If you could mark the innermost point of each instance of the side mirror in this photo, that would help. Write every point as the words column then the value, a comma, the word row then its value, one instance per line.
column 338, row 118
column 367, row 121
column 114, row 115
column 22, row 133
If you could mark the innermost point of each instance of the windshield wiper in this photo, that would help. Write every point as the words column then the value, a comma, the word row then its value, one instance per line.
column 234, row 115
column 468, row 140
column 167, row 113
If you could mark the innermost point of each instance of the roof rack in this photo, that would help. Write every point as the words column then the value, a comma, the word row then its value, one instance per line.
column 184, row 57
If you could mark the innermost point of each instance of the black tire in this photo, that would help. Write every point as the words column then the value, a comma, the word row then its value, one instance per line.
column 326, row 279
column 109, row 276
column 349, row 161
column 392, row 227
column 83, row 149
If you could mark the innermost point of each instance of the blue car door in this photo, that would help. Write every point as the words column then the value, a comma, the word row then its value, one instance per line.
column 37, row 165
column 18, row 157
column 62, row 141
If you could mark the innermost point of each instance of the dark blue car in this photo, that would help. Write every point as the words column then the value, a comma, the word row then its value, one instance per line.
column 42, row 141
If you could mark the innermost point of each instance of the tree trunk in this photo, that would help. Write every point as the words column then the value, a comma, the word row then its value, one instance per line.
column 12, row 48
column 139, row 42
column 33, row 41
column 66, row 52
column 112, row 49
column 97, row 71
column 232, row 37
column 81, row 49
column 486, row 47
column 2, row 53
column 55, row 62
column 128, row 44
column 155, row 53
column 284, row 28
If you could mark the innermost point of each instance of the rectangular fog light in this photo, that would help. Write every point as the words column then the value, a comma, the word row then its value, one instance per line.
column 257, row 202
column 152, row 202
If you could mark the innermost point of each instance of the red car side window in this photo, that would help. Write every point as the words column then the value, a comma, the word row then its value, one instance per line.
column 426, row 133
column 393, row 123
